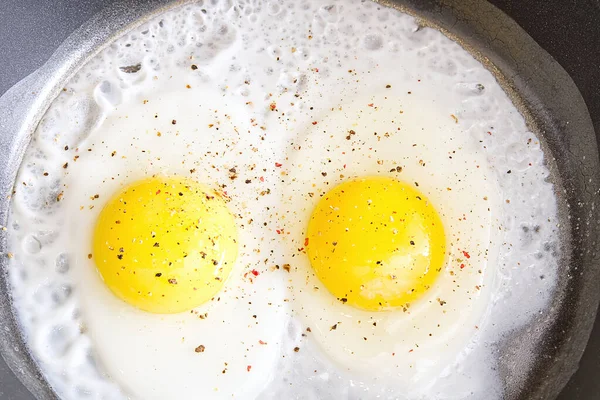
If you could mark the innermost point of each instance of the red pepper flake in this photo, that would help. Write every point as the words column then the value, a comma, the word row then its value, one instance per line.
column 462, row 266
column 370, row 104
column 314, row 122
column 158, row 191
column 305, row 242
column 344, row 166
column 273, row 106
column 278, row 231
column 411, row 350
column 466, row 254
column 255, row 272
column 261, row 342
column 278, row 165
column 262, row 179
column 248, row 368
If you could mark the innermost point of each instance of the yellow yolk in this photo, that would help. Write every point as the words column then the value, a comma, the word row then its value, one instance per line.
column 165, row 244
column 376, row 243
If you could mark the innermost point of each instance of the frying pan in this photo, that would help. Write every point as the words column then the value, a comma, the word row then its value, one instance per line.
column 537, row 84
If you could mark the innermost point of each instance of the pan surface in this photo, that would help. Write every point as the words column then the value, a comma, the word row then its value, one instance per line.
column 543, row 91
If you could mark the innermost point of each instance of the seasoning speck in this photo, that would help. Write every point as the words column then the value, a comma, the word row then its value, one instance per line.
column 200, row 349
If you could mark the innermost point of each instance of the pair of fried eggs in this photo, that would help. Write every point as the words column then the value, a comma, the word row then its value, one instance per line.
column 220, row 221
column 383, row 273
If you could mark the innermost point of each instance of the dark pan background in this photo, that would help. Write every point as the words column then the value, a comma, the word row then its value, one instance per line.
column 30, row 31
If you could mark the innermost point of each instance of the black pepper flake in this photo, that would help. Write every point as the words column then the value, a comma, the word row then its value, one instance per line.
column 174, row 122
column 172, row 281
column 412, row 242
column 333, row 327
column 509, row 171
column 131, row 69
column 248, row 181
column 296, row 349
column 158, row 274
column 344, row 300
column 120, row 256
column 194, row 67
column 388, row 86
column 156, row 244
column 324, row 173
column 350, row 133
column 214, row 262
column 65, row 165
column 200, row 349
column 180, row 193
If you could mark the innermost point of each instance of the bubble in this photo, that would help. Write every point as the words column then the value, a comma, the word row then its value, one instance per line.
column 274, row 52
column 394, row 46
column 244, row 91
column 273, row 8
column 56, row 340
column 383, row 16
column 302, row 53
column 107, row 95
column 444, row 66
column 62, row 263
column 61, row 294
column 40, row 198
column 329, row 13
column 470, row 89
column 31, row 245
column 85, row 115
column 83, row 392
column 373, row 42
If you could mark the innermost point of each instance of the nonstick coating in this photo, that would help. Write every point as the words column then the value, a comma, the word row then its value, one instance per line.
column 542, row 90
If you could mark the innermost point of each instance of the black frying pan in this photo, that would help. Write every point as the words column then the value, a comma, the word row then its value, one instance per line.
column 553, row 108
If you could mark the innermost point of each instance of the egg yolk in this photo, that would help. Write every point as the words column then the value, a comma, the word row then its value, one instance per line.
column 376, row 243
column 165, row 244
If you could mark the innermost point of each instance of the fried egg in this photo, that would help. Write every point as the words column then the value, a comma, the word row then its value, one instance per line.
column 393, row 221
column 268, row 199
